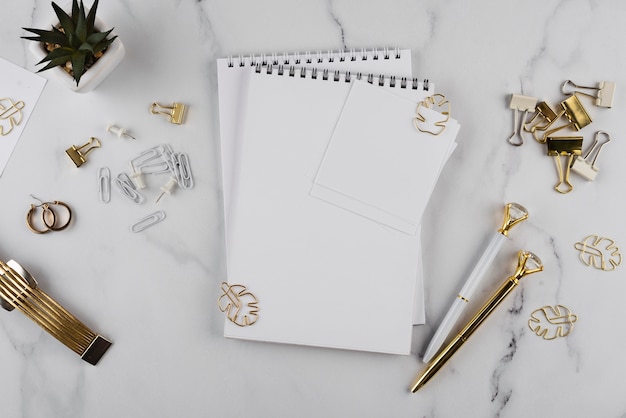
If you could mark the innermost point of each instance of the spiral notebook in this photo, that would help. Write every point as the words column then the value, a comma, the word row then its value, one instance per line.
column 323, row 276
column 232, row 86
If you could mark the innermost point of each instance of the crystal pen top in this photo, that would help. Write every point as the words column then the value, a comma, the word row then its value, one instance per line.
column 514, row 213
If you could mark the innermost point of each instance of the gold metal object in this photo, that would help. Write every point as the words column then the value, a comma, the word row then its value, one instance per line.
column 514, row 213
column 599, row 252
column 79, row 154
column 11, row 112
column 605, row 92
column 551, row 322
column 48, row 216
column 240, row 305
column 175, row 113
column 437, row 102
column 574, row 112
column 18, row 289
column 527, row 263
column 544, row 112
column 569, row 146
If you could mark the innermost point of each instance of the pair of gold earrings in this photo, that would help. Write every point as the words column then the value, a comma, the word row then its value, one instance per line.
column 51, row 222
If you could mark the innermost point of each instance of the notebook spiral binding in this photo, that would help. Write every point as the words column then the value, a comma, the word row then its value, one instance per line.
column 292, row 64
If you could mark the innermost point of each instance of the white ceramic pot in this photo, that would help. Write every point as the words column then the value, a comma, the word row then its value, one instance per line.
column 96, row 73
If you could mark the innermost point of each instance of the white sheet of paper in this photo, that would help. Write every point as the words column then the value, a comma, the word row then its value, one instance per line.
column 17, row 85
column 232, row 86
column 378, row 164
column 323, row 276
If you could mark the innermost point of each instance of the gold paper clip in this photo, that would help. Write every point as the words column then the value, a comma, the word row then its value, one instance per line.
column 605, row 89
column 78, row 155
column 176, row 112
column 583, row 166
column 545, row 113
column 12, row 113
column 575, row 113
column 569, row 146
column 524, row 104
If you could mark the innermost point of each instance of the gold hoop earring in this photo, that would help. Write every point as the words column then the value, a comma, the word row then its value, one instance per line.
column 53, row 226
column 29, row 218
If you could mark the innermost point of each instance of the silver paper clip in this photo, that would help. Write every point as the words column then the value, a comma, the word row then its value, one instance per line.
column 569, row 146
column 175, row 113
column 127, row 188
column 604, row 97
column 582, row 166
column 148, row 221
column 182, row 170
column 524, row 104
column 104, row 184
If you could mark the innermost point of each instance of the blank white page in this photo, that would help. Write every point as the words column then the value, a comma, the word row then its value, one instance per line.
column 323, row 276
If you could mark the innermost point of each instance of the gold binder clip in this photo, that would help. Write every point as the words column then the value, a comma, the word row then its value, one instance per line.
column 78, row 155
column 176, row 112
column 544, row 112
column 575, row 113
column 570, row 146
column 604, row 97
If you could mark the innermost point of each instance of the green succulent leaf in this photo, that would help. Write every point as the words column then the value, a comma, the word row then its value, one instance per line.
column 78, row 65
column 91, row 17
column 65, row 20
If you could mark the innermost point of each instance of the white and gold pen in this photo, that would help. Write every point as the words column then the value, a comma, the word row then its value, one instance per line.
column 514, row 213
column 527, row 263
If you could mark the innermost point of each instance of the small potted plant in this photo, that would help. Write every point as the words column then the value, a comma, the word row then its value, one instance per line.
column 78, row 48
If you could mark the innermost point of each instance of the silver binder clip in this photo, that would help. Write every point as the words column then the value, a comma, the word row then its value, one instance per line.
column 524, row 104
column 175, row 113
column 582, row 166
column 604, row 96
column 575, row 113
column 569, row 146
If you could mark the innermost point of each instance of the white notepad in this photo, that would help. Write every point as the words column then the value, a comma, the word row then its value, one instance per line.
column 19, row 92
column 232, row 85
column 323, row 276
column 378, row 164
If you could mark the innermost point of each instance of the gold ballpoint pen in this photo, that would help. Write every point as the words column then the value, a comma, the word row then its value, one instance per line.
column 527, row 263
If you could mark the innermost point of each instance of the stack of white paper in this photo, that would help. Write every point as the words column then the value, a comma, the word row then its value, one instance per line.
column 330, row 185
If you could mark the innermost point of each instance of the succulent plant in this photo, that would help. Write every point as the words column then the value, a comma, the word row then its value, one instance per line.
column 75, row 43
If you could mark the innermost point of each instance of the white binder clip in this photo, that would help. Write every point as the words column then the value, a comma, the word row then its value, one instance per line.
column 524, row 104
column 605, row 89
column 582, row 166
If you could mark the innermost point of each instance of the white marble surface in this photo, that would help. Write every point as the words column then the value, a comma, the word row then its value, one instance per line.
column 154, row 294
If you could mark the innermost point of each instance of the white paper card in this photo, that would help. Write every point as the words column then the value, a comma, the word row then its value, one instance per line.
column 378, row 164
column 233, row 74
column 323, row 276
column 19, row 92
